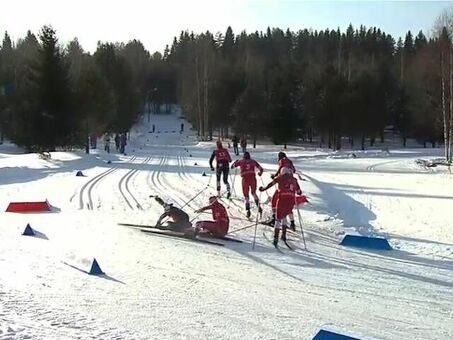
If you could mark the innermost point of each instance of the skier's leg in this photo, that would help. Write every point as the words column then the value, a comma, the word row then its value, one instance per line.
column 274, row 205
column 226, row 170
column 284, row 227
column 216, row 229
column 277, row 228
column 245, row 192
column 218, row 173
column 292, row 225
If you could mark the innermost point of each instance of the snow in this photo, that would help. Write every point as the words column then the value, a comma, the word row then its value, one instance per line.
column 163, row 288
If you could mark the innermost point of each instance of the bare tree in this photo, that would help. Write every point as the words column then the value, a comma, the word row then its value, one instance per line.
column 443, row 30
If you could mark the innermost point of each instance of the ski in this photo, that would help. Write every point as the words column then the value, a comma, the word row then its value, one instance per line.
column 287, row 245
column 144, row 226
column 290, row 231
column 230, row 239
column 277, row 247
column 272, row 242
column 180, row 235
column 140, row 225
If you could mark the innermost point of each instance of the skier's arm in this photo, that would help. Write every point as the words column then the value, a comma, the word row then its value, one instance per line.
column 203, row 209
column 211, row 160
column 278, row 172
column 271, row 184
column 298, row 190
column 159, row 221
column 235, row 163
column 260, row 169
column 229, row 157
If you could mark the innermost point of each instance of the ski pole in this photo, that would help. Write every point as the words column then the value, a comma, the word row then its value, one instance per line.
column 198, row 194
column 232, row 181
column 262, row 182
column 301, row 229
column 243, row 228
column 256, row 225
column 196, row 216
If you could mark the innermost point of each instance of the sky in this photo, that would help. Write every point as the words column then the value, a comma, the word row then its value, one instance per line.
column 156, row 22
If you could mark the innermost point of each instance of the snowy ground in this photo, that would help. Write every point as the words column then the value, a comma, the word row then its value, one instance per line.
column 162, row 288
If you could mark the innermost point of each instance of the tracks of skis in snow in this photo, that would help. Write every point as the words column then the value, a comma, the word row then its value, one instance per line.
column 87, row 190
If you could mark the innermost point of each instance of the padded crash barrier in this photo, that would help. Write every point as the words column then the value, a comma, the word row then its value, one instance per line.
column 329, row 335
column 29, row 207
column 302, row 199
column 376, row 243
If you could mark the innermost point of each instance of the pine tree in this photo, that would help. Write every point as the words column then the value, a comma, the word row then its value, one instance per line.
column 54, row 121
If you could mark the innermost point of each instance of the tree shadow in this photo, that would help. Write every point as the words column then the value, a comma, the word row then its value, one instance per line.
column 353, row 213
column 306, row 259
column 23, row 174
column 413, row 239
column 393, row 256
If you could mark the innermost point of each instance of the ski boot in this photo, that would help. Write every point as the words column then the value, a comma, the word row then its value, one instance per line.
column 270, row 222
column 247, row 208
column 228, row 194
column 284, row 233
column 276, row 232
column 260, row 210
column 191, row 232
column 292, row 226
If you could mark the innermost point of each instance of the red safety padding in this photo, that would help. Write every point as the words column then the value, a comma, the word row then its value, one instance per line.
column 28, row 206
column 301, row 199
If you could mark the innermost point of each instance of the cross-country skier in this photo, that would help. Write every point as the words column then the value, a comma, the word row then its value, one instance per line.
column 248, row 168
column 235, row 141
column 223, row 159
column 283, row 162
column 180, row 221
column 220, row 224
column 286, row 193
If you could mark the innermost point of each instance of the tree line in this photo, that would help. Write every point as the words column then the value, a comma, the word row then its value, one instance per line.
column 323, row 85
column 328, row 87
column 54, row 96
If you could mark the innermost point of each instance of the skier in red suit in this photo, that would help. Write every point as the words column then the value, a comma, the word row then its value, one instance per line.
column 220, row 224
column 248, row 168
column 283, row 162
column 286, row 194
column 223, row 159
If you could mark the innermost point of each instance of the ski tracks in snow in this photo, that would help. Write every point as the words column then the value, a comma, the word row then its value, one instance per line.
column 88, row 187
column 86, row 192
column 123, row 186
column 91, row 184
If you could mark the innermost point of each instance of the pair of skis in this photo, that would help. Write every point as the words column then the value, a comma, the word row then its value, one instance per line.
column 285, row 242
column 162, row 231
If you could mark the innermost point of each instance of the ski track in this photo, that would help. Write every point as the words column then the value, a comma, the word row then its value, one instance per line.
column 88, row 186
column 153, row 176
column 97, row 182
column 94, row 182
column 165, row 182
column 124, row 183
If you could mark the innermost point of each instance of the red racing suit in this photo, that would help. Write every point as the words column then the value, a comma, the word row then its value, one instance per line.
column 286, row 193
column 282, row 163
column 248, row 168
column 218, row 227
